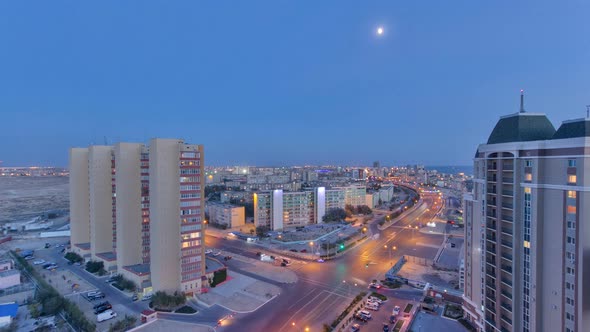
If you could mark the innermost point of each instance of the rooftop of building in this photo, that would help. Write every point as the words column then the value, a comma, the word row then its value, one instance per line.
column 8, row 309
column 573, row 128
column 139, row 269
column 108, row 256
column 83, row 246
column 7, row 273
column 522, row 127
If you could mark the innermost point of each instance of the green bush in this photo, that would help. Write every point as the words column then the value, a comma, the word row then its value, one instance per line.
column 124, row 324
column 73, row 257
column 379, row 296
column 453, row 311
column 219, row 277
column 122, row 283
column 94, row 266
column 162, row 300
column 185, row 310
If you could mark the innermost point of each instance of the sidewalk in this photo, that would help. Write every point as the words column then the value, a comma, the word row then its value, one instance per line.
column 240, row 294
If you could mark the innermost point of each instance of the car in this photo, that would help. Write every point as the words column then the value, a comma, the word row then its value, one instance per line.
column 46, row 265
column 370, row 302
column 360, row 317
column 134, row 297
column 293, row 250
column 47, row 245
column 102, row 308
column 365, row 314
column 208, row 251
column 51, row 267
column 373, row 307
column 392, row 319
column 385, row 327
column 226, row 258
column 375, row 299
column 396, row 310
column 303, row 250
column 106, row 315
column 110, row 279
column 100, row 304
column 78, row 264
column 258, row 254
column 355, row 328
column 320, row 260
column 39, row 262
column 217, row 253
column 374, row 285
column 29, row 257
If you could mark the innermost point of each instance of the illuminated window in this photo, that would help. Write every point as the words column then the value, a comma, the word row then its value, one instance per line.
column 572, row 179
column 527, row 190
column 571, row 194
column 527, row 244
column 571, row 209
column 528, row 177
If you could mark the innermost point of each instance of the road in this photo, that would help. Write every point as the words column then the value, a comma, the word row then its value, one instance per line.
column 325, row 289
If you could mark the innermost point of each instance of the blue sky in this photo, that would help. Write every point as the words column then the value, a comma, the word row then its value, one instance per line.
column 285, row 82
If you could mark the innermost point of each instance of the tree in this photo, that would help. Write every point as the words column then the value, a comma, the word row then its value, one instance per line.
column 350, row 210
column 364, row 209
column 262, row 230
column 334, row 214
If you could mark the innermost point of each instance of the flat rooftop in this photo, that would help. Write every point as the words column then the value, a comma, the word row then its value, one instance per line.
column 139, row 269
column 83, row 246
column 109, row 256
column 7, row 273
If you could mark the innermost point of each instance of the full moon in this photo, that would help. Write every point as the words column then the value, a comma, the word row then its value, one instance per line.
column 380, row 30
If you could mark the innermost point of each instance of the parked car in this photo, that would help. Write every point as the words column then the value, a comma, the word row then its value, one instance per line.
column 51, row 267
column 375, row 299
column 369, row 302
column 47, row 245
column 39, row 262
column 372, row 306
column 396, row 310
column 365, row 313
column 355, row 328
column 208, row 251
column 29, row 257
column 385, row 327
column 103, row 308
column 110, row 279
column 217, row 253
column 392, row 319
column 134, row 297
column 146, row 297
column 106, row 316
column 100, row 304
column 360, row 317
column 321, row 260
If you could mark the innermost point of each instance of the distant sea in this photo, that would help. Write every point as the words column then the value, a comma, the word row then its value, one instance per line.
column 468, row 170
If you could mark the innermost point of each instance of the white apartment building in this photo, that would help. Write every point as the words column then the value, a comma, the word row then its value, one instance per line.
column 527, row 227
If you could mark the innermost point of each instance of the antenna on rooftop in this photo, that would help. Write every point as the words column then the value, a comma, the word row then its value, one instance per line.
column 587, row 111
column 521, row 101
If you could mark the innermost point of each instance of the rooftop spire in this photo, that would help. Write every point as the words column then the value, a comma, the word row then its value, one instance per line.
column 521, row 101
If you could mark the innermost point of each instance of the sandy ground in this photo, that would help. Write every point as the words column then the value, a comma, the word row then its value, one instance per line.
column 419, row 272
column 27, row 197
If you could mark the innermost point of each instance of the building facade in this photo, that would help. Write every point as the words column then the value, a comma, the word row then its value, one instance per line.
column 527, row 252
column 139, row 209
column 226, row 214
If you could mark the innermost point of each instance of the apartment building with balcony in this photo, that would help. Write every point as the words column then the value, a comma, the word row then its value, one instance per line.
column 131, row 202
column 229, row 215
column 527, row 227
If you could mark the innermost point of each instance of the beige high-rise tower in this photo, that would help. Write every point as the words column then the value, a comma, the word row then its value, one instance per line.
column 527, row 222
column 79, row 201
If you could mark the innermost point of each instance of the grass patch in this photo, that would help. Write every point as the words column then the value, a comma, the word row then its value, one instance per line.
column 379, row 296
column 408, row 308
column 453, row 311
column 398, row 326
column 185, row 310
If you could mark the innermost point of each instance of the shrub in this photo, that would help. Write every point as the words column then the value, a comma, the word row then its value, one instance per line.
column 94, row 266
column 453, row 311
column 219, row 277
column 124, row 324
column 124, row 284
column 162, row 300
column 73, row 257
column 185, row 310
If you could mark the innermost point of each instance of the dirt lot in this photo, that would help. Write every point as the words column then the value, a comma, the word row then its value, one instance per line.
column 27, row 197
column 428, row 274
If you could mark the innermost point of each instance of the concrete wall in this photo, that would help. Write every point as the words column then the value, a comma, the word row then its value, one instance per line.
column 164, row 214
column 79, row 196
column 129, row 218
column 100, row 182
column 10, row 280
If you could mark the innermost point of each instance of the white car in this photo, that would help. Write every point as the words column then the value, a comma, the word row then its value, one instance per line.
column 217, row 253
column 374, row 299
column 371, row 302
column 396, row 310
column 208, row 251
column 39, row 262
column 374, row 307
column 365, row 313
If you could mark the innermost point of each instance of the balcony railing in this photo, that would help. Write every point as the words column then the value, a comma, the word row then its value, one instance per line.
column 506, row 256
column 507, row 218
column 506, row 244
column 507, row 206
column 506, row 231
column 506, row 268
column 506, row 294
column 506, row 281
column 507, row 193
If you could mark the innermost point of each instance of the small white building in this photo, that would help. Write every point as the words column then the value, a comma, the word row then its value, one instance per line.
column 9, row 278
column 226, row 214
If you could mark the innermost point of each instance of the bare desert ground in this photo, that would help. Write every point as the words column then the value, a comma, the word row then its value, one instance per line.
column 27, row 197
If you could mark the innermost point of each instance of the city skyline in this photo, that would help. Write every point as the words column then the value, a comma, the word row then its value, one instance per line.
column 286, row 84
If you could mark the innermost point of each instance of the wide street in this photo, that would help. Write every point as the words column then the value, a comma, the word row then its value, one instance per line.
column 325, row 289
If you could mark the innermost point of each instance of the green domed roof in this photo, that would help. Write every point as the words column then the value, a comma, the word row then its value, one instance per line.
column 573, row 128
column 522, row 127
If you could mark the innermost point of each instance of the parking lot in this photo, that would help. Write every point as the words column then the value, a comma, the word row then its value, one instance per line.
column 75, row 283
column 382, row 316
